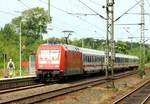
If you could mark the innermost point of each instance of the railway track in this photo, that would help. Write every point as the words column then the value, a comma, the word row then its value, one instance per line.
column 39, row 96
column 140, row 95
column 17, row 82
column 20, row 88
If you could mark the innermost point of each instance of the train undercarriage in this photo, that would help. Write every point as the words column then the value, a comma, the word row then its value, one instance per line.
column 48, row 76
column 55, row 75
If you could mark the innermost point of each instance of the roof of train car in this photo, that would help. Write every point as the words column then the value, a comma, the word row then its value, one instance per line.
column 91, row 51
column 96, row 52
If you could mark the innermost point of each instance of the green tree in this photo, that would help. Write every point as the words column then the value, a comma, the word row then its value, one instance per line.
column 121, row 47
column 33, row 23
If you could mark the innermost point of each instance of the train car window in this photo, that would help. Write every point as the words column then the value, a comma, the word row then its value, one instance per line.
column 130, row 61
column 116, row 59
column 91, row 59
column 88, row 59
column 97, row 59
column 123, row 60
column 103, row 59
column 85, row 59
column 127, row 60
column 119, row 60
column 100, row 58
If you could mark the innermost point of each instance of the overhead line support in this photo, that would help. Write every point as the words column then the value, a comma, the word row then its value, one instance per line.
column 142, row 47
column 110, row 43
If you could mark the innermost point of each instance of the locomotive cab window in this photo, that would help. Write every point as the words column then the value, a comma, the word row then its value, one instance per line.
column 50, row 56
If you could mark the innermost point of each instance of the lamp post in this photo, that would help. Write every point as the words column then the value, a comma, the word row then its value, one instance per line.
column 40, row 24
column 20, row 49
column 20, row 73
column 50, row 29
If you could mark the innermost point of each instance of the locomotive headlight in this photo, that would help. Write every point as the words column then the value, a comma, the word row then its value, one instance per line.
column 40, row 66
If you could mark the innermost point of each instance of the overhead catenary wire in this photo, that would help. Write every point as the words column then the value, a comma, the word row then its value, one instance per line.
column 148, row 3
column 138, row 13
column 71, row 15
column 96, row 3
column 81, row 14
column 85, row 14
column 127, row 11
column 8, row 13
column 44, row 3
column 130, row 24
column 77, row 27
column 128, row 31
column 77, row 4
column 78, row 9
column 89, row 23
column 54, row 7
column 23, row 4
column 93, row 10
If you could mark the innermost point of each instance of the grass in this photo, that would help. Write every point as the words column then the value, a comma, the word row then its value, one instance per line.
column 147, row 65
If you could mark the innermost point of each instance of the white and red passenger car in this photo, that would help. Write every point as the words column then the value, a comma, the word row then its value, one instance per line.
column 57, row 61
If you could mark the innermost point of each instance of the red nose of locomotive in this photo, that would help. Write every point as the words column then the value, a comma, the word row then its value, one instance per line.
column 48, row 61
column 48, row 58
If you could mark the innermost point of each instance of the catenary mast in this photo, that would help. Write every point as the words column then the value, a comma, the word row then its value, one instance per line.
column 110, row 43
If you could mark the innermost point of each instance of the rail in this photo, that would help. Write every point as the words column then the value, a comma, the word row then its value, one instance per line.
column 57, row 92
column 137, row 96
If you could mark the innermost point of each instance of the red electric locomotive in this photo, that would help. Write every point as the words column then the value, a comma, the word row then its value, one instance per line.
column 59, row 61
column 56, row 61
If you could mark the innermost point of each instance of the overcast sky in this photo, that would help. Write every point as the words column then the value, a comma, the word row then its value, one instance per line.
column 83, row 26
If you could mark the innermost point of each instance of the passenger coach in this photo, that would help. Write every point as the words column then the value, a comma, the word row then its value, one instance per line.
column 58, row 61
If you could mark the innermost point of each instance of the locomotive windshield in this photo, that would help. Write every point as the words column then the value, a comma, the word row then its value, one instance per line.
column 49, row 57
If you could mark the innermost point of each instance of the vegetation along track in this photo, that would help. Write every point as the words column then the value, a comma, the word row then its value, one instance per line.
column 36, row 97
column 139, row 95
column 17, row 82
